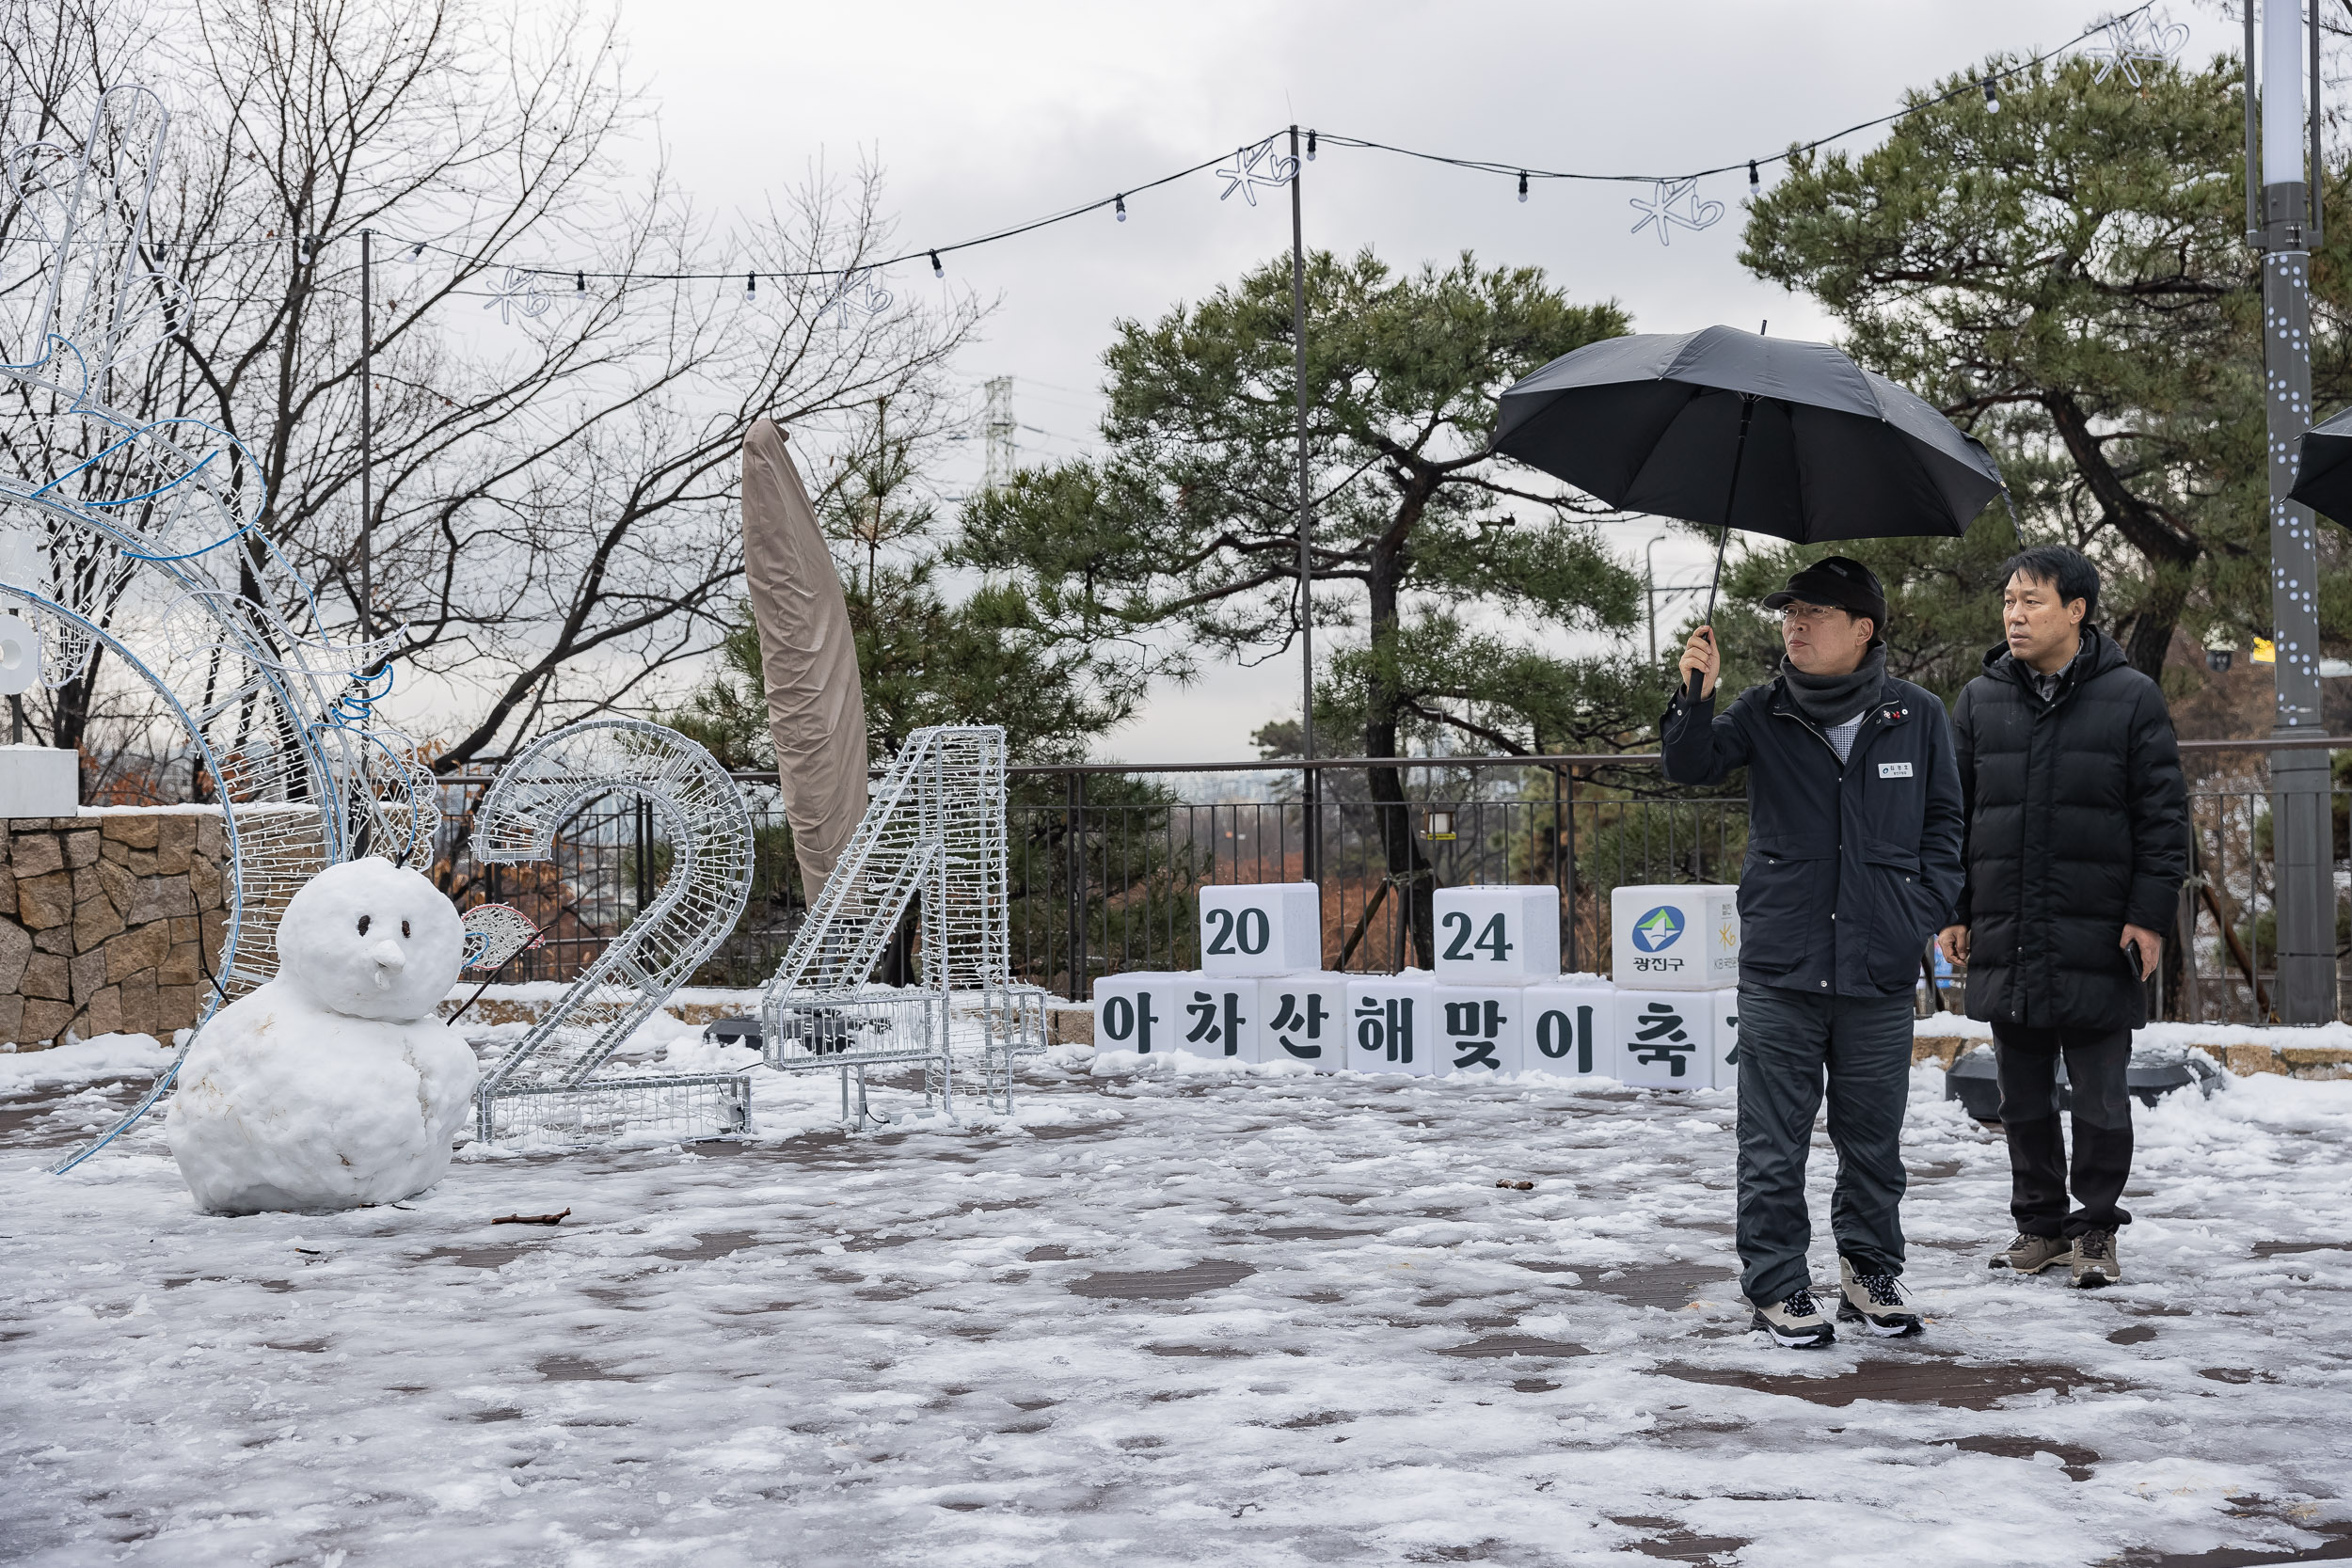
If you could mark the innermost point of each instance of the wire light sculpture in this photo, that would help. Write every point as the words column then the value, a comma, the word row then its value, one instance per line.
column 2142, row 38
column 1674, row 203
column 549, row 1088
column 143, row 538
column 932, row 841
column 1252, row 167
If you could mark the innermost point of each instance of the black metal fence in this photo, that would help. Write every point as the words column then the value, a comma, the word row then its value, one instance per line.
column 1105, row 861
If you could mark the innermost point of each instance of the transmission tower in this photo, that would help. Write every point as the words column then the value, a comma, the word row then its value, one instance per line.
column 998, row 427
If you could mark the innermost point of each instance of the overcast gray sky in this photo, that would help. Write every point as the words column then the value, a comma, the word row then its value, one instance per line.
column 989, row 114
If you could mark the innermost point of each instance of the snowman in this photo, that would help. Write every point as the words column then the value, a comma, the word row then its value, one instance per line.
column 332, row 1087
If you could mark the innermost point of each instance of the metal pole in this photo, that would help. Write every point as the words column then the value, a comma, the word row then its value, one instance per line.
column 1310, row 783
column 367, row 428
column 1074, row 867
column 2304, row 870
column 1649, row 579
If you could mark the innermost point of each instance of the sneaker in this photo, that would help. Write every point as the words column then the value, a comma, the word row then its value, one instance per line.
column 2096, row 1261
column 1877, row 1300
column 1795, row 1322
column 2031, row 1254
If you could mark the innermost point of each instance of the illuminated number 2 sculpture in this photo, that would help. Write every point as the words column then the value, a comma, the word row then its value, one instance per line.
column 549, row 1086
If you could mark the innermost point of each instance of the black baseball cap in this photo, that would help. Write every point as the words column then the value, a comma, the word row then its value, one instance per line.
column 1840, row 582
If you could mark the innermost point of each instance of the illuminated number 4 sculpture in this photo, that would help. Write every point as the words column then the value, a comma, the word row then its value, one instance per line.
column 932, row 840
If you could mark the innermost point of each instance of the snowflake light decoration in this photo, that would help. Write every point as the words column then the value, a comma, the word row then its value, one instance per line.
column 2136, row 41
column 1672, row 202
column 518, row 290
column 870, row 297
column 1253, row 166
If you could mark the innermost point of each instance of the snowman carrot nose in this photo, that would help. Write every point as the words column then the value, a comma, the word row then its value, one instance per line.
column 390, row 960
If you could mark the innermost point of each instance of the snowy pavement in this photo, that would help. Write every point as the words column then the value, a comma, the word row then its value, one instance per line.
column 1164, row 1319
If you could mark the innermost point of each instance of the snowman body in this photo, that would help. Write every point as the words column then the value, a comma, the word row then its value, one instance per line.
column 333, row 1085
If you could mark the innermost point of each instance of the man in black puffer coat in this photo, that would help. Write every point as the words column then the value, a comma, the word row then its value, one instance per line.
column 2077, row 846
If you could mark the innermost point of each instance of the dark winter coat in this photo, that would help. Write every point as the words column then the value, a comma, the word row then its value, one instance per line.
column 1851, row 869
column 2077, row 826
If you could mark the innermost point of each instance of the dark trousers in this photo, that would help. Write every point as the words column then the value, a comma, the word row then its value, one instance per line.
column 2096, row 1062
column 1789, row 1042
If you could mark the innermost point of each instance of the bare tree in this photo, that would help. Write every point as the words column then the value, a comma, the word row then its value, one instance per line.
column 556, row 407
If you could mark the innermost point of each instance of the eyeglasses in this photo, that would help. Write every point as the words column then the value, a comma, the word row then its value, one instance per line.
column 1806, row 614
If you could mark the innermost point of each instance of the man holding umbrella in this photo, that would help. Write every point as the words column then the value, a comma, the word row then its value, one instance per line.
column 1853, row 864
column 1853, row 848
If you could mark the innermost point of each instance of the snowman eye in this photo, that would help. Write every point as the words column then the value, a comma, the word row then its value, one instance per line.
column 404, row 928
column 363, row 924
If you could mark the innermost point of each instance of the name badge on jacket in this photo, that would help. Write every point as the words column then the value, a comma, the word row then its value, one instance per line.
column 1894, row 770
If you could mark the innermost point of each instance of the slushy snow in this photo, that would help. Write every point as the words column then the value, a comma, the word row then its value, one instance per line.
column 1163, row 1318
column 333, row 1085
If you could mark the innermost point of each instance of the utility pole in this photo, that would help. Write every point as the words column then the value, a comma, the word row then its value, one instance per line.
column 2286, row 229
column 1310, row 783
column 998, row 426
column 367, row 430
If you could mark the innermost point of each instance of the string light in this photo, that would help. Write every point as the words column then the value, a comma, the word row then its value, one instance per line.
column 751, row 288
column 2135, row 37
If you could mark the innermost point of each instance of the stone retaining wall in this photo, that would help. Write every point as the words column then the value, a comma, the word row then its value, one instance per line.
column 103, row 917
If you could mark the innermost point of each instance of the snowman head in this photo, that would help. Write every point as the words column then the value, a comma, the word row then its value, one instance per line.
column 371, row 940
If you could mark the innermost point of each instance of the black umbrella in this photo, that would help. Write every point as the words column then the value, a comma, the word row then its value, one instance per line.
column 2323, row 469
column 1737, row 430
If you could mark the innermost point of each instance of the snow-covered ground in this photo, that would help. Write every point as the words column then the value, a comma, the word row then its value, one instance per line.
column 1173, row 1318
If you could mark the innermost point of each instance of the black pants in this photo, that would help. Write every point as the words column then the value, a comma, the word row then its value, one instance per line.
column 1789, row 1042
column 2096, row 1061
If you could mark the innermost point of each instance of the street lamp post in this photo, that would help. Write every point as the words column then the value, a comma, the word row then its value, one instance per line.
column 2285, row 230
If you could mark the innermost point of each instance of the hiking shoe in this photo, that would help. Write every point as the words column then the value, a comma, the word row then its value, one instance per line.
column 2096, row 1262
column 2031, row 1254
column 1794, row 1321
column 1874, row 1299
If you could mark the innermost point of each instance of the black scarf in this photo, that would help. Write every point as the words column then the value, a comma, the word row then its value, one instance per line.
column 1833, row 699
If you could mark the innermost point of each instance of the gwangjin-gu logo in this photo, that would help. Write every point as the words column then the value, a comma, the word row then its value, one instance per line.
column 1657, row 928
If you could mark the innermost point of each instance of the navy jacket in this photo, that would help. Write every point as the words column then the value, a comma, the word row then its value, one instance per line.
column 1851, row 869
column 2077, row 825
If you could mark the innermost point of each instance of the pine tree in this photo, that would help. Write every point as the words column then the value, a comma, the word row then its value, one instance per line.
column 2068, row 279
column 1450, row 576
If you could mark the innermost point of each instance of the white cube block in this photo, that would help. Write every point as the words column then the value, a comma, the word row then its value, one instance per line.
column 1572, row 1031
column 1260, row 928
column 39, row 780
column 1498, row 936
column 1389, row 1026
column 1303, row 1017
column 1664, row 1038
column 1724, row 1049
column 1480, row 1029
column 1138, row 1011
column 1677, row 937
column 1218, row 1016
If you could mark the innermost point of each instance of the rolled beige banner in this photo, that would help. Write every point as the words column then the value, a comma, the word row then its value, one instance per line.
column 808, row 657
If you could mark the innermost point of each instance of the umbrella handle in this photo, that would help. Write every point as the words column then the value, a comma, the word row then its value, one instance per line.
column 1722, row 534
